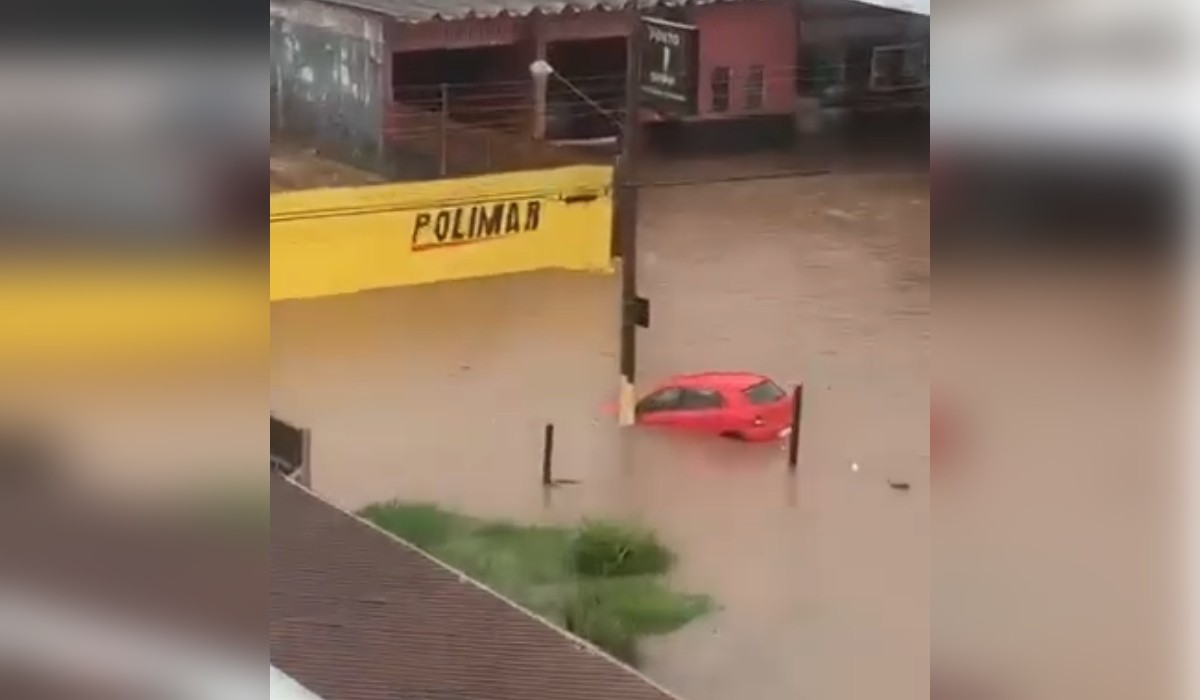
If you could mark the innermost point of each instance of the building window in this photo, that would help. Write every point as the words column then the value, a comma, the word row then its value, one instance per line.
column 899, row 67
column 720, row 89
column 701, row 400
column 755, row 88
column 825, row 74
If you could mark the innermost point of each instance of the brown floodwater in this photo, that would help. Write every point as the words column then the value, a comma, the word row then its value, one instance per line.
column 440, row 393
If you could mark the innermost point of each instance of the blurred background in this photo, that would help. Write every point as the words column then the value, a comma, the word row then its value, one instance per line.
column 134, row 335
column 1058, row 139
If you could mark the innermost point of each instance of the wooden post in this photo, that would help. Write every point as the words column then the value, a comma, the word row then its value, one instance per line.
column 794, row 436
column 548, row 456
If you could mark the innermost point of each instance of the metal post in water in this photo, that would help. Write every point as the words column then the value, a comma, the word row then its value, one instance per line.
column 794, row 436
column 443, row 132
column 548, row 456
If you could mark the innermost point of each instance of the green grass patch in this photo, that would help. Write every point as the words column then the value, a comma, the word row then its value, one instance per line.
column 602, row 581
column 601, row 549
column 422, row 524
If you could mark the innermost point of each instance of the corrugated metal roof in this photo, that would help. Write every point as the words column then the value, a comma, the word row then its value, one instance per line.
column 428, row 10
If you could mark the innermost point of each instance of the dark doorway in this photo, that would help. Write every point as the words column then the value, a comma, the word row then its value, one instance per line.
column 486, row 86
column 595, row 68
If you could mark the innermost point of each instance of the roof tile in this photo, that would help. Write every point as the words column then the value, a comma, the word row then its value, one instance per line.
column 428, row 10
column 358, row 615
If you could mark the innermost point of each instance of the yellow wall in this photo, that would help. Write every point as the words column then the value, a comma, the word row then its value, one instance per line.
column 336, row 241
column 61, row 315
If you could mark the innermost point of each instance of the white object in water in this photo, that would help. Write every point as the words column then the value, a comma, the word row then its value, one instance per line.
column 854, row 466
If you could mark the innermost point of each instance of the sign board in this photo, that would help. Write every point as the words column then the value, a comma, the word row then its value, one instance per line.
column 670, row 67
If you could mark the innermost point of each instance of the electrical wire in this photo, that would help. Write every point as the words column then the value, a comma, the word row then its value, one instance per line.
column 481, row 111
column 524, row 85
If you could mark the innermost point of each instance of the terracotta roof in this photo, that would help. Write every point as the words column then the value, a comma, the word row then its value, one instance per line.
column 428, row 10
column 357, row 614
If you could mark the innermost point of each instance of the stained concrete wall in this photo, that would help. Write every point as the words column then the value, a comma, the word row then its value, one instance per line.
column 327, row 79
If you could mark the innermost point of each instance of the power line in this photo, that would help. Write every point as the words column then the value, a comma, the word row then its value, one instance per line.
column 524, row 84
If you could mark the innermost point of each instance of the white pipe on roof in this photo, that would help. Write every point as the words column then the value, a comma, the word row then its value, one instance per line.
column 284, row 687
column 916, row 7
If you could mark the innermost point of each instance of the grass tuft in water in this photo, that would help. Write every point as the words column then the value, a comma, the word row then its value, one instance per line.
column 602, row 549
column 423, row 524
column 601, row 581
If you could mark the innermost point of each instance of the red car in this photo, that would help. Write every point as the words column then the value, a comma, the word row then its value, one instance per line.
column 737, row 405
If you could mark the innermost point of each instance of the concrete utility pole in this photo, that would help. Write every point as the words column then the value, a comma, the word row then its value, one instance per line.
column 540, row 70
column 627, row 220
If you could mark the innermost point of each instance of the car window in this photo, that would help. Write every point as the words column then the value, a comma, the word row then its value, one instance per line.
column 764, row 393
column 701, row 399
column 667, row 399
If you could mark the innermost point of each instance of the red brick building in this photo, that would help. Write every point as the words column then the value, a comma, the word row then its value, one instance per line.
column 455, row 73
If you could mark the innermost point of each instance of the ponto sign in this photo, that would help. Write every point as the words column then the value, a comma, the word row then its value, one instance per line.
column 670, row 64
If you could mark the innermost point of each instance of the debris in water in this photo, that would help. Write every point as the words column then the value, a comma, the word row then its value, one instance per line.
column 898, row 485
column 854, row 466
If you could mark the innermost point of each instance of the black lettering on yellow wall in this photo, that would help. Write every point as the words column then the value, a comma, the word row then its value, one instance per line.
column 492, row 220
column 441, row 225
column 512, row 218
column 455, row 225
column 419, row 226
column 456, row 233
column 473, row 224
column 533, row 215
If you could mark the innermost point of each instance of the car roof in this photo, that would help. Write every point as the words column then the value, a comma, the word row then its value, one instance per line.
column 718, row 380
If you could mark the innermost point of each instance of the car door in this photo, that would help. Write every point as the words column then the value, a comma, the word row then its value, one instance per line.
column 661, row 407
column 702, row 410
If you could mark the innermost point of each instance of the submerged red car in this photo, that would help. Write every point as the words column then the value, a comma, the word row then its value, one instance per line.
column 739, row 405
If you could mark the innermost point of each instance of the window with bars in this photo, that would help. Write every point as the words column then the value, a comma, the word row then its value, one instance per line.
column 755, row 88
column 720, row 89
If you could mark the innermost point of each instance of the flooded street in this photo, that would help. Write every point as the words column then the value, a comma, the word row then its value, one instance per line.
column 440, row 393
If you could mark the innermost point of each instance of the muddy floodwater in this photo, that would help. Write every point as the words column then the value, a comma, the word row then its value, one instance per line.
column 440, row 393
